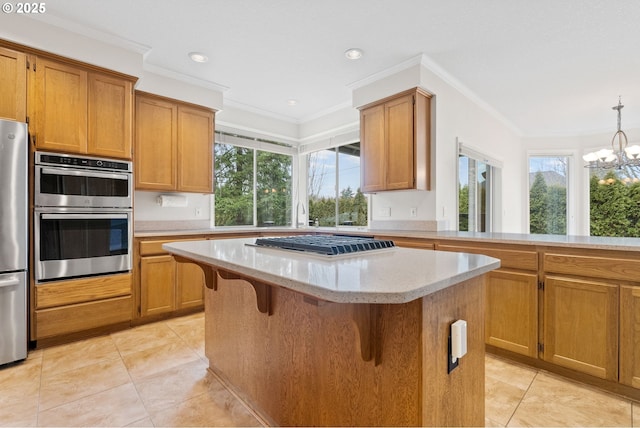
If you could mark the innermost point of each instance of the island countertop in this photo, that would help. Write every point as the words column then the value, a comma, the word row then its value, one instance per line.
column 394, row 275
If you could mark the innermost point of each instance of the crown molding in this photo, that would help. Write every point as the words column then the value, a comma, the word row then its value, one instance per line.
column 183, row 77
column 92, row 33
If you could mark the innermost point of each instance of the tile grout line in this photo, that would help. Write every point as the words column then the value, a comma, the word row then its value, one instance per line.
column 522, row 398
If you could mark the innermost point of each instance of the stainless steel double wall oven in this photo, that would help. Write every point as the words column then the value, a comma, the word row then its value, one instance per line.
column 83, row 216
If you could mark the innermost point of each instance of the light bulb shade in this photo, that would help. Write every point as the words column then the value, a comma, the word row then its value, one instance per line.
column 633, row 151
column 604, row 153
column 611, row 158
column 590, row 157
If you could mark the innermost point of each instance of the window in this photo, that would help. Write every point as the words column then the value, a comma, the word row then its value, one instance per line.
column 334, row 196
column 479, row 205
column 474, row 187
column 548, row 197
column 614, row 202
column 252, row 188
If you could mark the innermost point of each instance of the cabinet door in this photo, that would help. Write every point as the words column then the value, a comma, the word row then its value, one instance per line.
column 13, row 85
column 110, row 113
column 399, row 141
column 581, row 325
column 372, row 144
column 156, row 136
column 630, row 336
column 61, row 107
column 512, row 312
column 157, row 285
column 195, row 150
column 189, row 285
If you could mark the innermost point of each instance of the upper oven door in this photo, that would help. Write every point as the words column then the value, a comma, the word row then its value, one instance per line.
column 77, row 187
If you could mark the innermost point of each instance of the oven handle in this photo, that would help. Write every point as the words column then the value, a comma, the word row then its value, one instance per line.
column 83, row 216
column 63, row 171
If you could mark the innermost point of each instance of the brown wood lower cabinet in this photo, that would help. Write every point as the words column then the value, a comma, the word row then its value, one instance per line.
column 630, row 336
column 581, row 325
column 167, row 286
column 512, row 311
column 157, row 285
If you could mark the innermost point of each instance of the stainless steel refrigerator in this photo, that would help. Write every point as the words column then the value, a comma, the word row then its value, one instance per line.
column 13, row 241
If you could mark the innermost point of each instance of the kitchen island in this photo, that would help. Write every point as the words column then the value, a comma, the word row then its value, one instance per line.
column 357, row 339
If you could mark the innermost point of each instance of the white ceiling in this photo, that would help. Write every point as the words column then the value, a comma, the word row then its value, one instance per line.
column 549, row 67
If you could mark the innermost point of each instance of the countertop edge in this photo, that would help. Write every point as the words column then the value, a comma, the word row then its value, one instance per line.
column 342, row 296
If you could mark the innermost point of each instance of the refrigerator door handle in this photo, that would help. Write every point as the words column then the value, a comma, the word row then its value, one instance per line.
column 9, row 282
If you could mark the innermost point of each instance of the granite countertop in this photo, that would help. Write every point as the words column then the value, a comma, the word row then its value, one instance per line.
column 569, row 241
column 394, row 275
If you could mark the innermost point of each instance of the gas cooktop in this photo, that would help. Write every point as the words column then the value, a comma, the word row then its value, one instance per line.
column 331, row 245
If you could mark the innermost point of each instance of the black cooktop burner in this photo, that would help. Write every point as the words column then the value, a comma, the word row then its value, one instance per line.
column 325, row 244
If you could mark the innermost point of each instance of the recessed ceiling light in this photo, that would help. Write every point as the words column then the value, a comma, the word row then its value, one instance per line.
column 353, row 53
column 198, row 57
column 292, row 102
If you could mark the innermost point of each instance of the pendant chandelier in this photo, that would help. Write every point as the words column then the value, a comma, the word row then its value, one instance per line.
column 619, row 155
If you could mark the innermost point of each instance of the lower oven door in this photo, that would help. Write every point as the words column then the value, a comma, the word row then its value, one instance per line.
column 73, row 244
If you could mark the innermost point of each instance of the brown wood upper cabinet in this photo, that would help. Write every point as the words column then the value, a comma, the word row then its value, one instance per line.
column 80, row 110
column 395, row 142
column 13, row 85
column 173, row 145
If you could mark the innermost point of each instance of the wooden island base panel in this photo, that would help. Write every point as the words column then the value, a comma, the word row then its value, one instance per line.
column 303, row 365
column 357, row 341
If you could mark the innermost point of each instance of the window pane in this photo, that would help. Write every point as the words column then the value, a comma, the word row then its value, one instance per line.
column 473, row 194
column 615, row 202
column 322, row 187
column 463, row 193
column 234, row 185
column 352, row 204
column 548, row 194
column 273, row 189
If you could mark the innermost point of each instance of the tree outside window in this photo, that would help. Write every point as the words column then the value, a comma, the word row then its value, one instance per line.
column 614, row 202
column 548, row 194
column 334, row 196
column 245, row 198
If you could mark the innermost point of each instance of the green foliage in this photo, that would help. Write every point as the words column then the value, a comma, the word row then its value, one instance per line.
column 547, row 207
column 614, row 206
column 234, row 187
column 274, row 189
column 463, row 207
column 352, row 209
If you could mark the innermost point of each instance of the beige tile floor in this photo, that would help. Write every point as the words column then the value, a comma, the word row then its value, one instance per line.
column 156, row 375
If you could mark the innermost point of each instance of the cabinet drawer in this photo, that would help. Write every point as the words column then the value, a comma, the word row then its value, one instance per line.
column 592, row 266
column 82, row 290
column 409, row 243
column 514, row 259
column 84, row 316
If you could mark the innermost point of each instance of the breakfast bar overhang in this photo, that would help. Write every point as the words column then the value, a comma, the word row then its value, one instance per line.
column 350, row 340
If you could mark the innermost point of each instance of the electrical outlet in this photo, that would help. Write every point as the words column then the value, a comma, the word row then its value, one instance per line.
column 413, row 212
column 384, row 212
column 198, row 212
